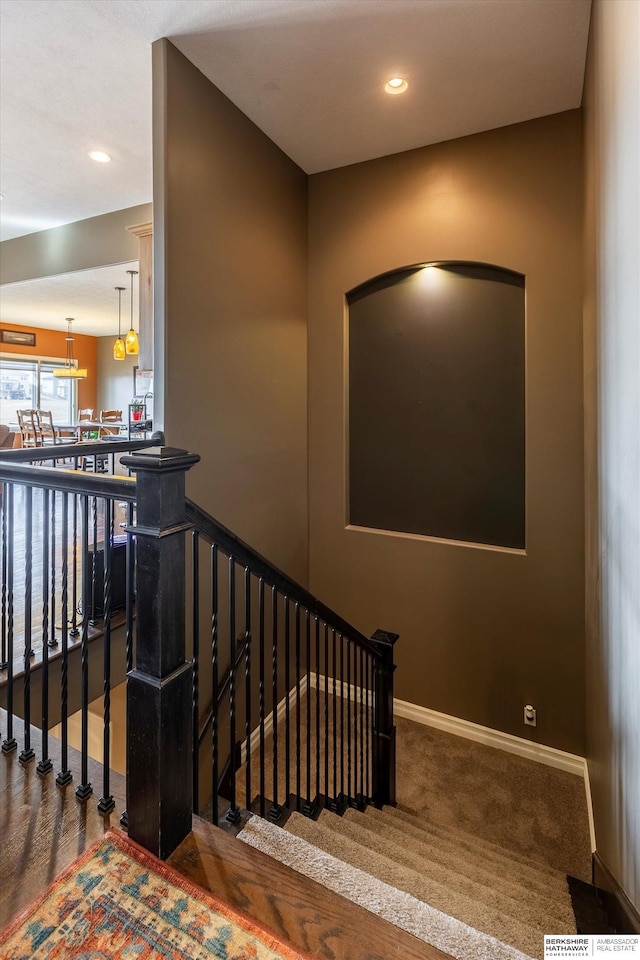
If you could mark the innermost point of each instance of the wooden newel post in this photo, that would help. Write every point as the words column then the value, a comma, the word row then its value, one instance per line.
column 159, row 688
column 384, row 731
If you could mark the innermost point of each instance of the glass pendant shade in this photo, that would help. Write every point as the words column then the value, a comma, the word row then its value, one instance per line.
column 70, row 371
column 119, row 350
column 131, row 341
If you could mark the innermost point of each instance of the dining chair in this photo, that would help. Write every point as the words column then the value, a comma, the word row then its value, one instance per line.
column 97, row 463
column 110, row 416
column 29, row 429
column 49, row 434
column 85, row 414
column 7, row 437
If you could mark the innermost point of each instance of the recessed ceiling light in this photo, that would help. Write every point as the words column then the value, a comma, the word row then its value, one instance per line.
column 396, row 85
column 100, row 156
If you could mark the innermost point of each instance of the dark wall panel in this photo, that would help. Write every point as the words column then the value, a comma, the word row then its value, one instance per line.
column 436, row 404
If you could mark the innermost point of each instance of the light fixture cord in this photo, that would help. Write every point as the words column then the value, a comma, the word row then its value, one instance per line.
column 119, row 289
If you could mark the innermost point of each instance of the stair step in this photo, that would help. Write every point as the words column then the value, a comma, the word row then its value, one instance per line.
column 428, row 924
column 442, row 858
column 495, row 857
column 499, row 921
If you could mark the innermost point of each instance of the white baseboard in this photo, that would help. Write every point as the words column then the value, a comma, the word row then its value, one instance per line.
column 568, row 762
column 539, row 752
column 592, row 823
column 254, row 742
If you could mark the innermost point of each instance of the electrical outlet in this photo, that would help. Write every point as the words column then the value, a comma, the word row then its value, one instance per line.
column 530, row 716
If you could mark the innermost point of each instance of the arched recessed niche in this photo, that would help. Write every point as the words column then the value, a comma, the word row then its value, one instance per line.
column 436, row 399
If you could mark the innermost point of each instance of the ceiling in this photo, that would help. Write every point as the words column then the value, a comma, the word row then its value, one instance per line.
column 88, row 296
column 76, row 76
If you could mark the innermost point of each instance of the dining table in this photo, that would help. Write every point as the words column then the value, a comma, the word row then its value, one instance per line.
column 81, row 429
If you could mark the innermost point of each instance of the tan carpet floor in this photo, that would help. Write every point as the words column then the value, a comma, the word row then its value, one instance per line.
column 478, row 834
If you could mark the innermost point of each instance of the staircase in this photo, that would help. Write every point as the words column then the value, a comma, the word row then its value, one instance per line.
column 429, row 872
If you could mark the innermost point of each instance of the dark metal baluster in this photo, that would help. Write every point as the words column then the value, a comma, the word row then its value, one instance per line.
column 53, row 642
column 298, row 731
column 308, row 804
column 317, row 707
column 326, row 712
column 215, row 733
column 3, row 640
column 74, row 582
column 368, row 682
column 361, row 716
column 261, row 691
column 45, row 765
column 94, row 557
column 84, row 788
column 356, row 733
column 27, row 753
column 233, row 813
column 335, row 715
column 64, row 775
column 9, row 743
column 349, row 731
column 275, row 811
column 341, row 717
column 287, row 706
column 106, row 802
column 247, row 683
column 130, row 558
column 195, row 640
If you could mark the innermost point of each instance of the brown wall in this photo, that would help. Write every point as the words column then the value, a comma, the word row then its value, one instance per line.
column 230, row 295
column 483, row 631
column 115, row 378
column 52, row 345
column 612, row 447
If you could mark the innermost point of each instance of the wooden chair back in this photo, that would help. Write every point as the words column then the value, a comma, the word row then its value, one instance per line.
column 48, row 432
column 29, row 428
column 110, row 416
column 85, row 414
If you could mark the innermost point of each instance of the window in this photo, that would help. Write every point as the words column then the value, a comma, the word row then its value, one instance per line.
column 30, row 384
column 437, row 403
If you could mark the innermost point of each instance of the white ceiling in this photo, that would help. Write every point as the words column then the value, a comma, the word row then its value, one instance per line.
column 89, row 296
column 76, row 75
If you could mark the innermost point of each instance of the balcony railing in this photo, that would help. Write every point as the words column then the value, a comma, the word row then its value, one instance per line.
column 269, row 701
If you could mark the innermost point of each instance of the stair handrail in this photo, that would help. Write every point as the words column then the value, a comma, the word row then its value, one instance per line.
column 217, row 533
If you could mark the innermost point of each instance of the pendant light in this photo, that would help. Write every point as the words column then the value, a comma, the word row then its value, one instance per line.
column 119, row 351
column 70, row 370
column 131, row 340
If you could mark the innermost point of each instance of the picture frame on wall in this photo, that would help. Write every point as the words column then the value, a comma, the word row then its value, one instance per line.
column 142, row 382
column 18, row 338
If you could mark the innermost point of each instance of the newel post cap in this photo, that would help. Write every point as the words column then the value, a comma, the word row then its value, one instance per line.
column 160, row 459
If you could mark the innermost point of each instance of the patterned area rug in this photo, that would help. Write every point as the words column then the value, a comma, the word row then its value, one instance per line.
column 117, row 900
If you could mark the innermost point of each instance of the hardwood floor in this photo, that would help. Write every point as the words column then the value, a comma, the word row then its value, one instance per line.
column 43, row 828
column 301, row 911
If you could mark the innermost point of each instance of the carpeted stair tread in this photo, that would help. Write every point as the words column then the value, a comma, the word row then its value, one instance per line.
column 506, row 895
column 494, row 856
column 540, row 895
column 417, row 821
column 495, row 922
column 428, row 924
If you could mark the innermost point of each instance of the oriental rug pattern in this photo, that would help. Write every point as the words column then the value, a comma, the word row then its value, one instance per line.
column 117, row 900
